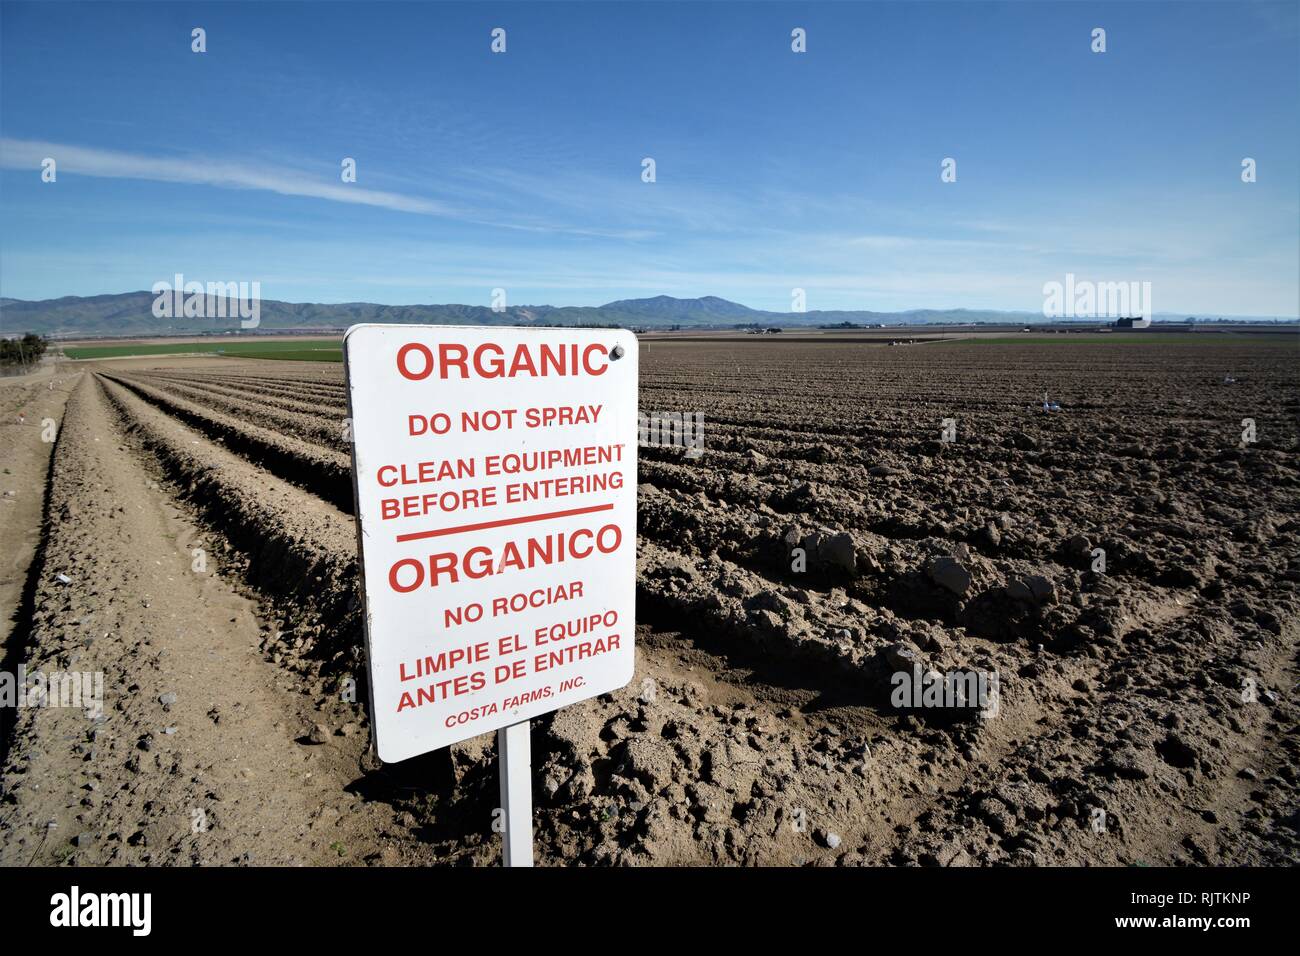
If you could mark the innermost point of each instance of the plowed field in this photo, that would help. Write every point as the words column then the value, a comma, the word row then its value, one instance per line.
column 1124, row 573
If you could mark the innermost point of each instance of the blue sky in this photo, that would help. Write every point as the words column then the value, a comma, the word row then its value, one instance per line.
column 775, row 170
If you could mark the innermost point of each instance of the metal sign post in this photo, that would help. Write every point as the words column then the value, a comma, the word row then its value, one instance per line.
column 515, row 763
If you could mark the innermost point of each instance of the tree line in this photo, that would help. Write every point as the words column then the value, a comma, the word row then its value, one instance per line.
column 24, row 351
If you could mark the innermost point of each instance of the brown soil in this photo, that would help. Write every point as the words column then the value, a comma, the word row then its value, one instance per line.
column 1146, row 711
column 28, row 405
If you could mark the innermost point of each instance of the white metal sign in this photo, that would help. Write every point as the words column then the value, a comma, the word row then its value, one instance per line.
column 495, row 473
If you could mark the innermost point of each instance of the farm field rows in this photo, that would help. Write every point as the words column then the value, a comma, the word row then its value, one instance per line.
column 827, row 538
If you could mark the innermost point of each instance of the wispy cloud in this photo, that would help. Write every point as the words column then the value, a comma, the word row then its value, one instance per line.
column 85, row 161
column 287, row 181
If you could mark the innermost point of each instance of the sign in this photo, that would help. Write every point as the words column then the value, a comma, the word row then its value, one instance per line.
column 495, row 478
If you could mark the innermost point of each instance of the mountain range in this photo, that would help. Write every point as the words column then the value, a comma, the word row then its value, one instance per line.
column 131, row 314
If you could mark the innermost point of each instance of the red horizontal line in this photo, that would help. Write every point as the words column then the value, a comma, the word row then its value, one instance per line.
column 439, row 532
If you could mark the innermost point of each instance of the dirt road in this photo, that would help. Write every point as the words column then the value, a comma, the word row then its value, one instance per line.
column 200, row 751
column 31, row 407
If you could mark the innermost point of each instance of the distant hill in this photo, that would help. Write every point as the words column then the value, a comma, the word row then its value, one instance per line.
column 131, row 314
column 706, row 310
